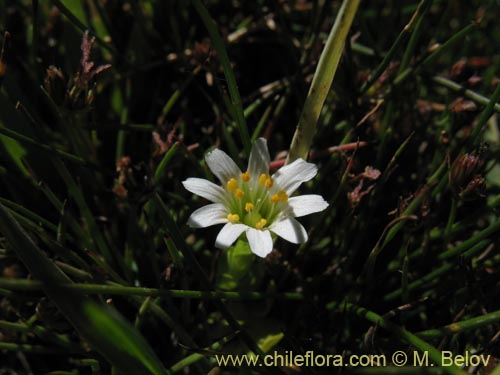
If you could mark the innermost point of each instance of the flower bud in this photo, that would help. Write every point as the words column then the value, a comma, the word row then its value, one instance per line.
column 464, row 168
column 466, row 178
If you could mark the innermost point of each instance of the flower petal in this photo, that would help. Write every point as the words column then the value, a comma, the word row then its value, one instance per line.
column 290, row 230
column 307, row 204
column 207, row 216
column 259, row 158
column 222, row 165
column 260, row 242
column 292, row 175
column 228, row 234
column 205, row 189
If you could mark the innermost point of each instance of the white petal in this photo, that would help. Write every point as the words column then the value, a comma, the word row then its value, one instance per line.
column 307, row 204
column 290, row 230
column 205, row 189
column 212, row 214
column 292, row 175
column 222, row 165
column 228, row 234
column 259, row 158
column 260, row 242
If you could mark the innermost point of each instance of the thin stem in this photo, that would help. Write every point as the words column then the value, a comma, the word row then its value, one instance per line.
column 469, row 94
column 451, row 220
column 463, row 326
column 33, row 285
column 228, row 73
column 399, row 332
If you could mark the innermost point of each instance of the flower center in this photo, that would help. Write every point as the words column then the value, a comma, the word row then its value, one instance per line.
column 256, row 202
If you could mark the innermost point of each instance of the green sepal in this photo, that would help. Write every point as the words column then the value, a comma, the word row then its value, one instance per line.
column 239, row 269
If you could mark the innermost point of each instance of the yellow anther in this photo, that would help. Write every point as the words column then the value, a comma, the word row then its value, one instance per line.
column 283, row 196
column 245, row 176
column 239, row 193
column 232, row 184
column 269, row 183
column 263, row 179
column 248, row 207
column 233, row 218
column 260, row 224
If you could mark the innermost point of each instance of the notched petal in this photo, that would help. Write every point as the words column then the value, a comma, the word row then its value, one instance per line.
column 260, row 242
column 204, row 189
column 207, row 216
column 292, row 175
column 222, row 165
column 229, row 234
column 290, row 230
column 307, row 204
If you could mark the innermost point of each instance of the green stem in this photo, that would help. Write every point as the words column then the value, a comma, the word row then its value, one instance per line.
column 485, row 233
column 413, row 206
column 399, row 332
column 401, row 38
column 322, row 81
column 451, row 220
column 43, row 333
column 228, row 73
column 33, row 285
column 162, row 167
column 43, row 147
column 432, row 276
column 463, row 326
column 454, row 39
column 26, row 348
column 471, row 95
column 410, row 48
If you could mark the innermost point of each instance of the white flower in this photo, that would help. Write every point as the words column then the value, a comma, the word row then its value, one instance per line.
column 254, row 202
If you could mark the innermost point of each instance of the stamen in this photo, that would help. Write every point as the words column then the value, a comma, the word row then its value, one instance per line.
column 239, row 193
column 233, row 218
column 232, row 184
column 283, row 196
column 260, row 224
column 263, row 179
column 266, row 180
column 245, row 176
column 248, row 207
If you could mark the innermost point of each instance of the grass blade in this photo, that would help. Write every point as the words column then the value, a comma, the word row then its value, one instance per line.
column 102, row 327
column 322, row 81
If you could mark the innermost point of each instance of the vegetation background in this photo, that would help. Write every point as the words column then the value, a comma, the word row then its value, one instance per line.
column 106, row 106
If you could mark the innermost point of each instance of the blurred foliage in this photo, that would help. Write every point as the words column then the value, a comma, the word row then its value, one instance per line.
column 98, row 130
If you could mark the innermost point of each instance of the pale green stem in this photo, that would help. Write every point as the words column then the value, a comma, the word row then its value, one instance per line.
column 322, row 81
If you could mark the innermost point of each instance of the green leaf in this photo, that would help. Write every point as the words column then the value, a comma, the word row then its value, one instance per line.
column 322, row 81
column 105, row 330
column 121, row 336
column 270, row 341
